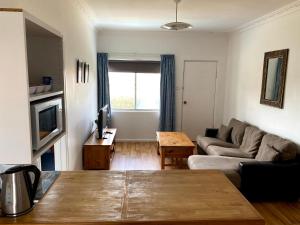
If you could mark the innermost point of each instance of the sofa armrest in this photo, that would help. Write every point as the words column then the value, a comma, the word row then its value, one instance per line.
column 211, row 132
column 270, row 180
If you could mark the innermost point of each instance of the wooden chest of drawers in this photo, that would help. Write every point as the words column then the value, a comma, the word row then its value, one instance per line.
column 98, row 153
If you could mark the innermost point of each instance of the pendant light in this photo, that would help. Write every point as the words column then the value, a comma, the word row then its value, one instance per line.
column 176, row 25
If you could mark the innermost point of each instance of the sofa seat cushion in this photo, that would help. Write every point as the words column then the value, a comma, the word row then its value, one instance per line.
column 222, row 151
column 287, row 149
column 228, row 165
column 204, row 142
column 251, row 140
column 237, row 133
column 215, row 162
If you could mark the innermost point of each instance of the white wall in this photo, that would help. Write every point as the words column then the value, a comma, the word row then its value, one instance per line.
column 79, row 42
column 245, row 66
column 185, row 46
column 135, row 125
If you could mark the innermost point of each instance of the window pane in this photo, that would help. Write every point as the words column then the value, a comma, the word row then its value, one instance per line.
column 122, row 87
column 147, row 90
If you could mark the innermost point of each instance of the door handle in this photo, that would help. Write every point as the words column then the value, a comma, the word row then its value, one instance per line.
column 184, row 102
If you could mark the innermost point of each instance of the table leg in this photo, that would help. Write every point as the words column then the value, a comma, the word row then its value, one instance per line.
column 181, row 163
column 158, row 153
column 162, row 159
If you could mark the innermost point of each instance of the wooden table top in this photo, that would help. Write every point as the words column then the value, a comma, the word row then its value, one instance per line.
column 93, row 140
column 142, row 197
column 173, row 139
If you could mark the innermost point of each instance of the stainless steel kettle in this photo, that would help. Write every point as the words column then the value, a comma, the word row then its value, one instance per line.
column 18, row 191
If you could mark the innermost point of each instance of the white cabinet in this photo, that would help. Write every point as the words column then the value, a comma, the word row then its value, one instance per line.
column 30, row 50
column 60, row 154
column 15, row 129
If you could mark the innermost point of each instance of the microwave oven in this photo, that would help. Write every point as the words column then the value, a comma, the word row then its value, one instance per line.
column 46, row 122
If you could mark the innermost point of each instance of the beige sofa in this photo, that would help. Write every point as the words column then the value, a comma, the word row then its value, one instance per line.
column 247, row 145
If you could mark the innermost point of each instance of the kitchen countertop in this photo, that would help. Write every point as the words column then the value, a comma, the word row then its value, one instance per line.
column 141, row 197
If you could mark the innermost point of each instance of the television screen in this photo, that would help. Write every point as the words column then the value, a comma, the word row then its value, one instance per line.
column 102, row 121
column 104, row 116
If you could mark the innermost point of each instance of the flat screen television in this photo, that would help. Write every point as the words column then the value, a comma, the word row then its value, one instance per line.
column 102, row 121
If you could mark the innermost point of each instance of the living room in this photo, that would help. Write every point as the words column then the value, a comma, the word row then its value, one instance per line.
column 228, row 39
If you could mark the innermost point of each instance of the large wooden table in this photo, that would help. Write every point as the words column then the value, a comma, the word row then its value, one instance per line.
column 142, row 197
column 174, row 145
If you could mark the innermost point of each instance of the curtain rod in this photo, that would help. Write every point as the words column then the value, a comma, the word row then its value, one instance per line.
column 133, row 56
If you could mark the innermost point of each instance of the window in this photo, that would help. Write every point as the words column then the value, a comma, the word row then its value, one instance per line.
column 134, row 86
column 134, row 90
column 122, row 90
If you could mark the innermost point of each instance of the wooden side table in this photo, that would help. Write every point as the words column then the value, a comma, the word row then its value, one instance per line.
column 98, row 153
column 175, row 145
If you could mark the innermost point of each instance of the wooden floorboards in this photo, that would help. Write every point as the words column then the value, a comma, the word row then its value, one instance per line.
column 135, row 156
column 143, row 156
column 279, row 213
column 138, row 156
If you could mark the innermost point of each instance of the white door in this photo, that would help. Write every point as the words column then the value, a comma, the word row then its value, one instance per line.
column 198, row 97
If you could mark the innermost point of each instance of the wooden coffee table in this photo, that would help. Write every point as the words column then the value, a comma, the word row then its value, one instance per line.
column 175, row 145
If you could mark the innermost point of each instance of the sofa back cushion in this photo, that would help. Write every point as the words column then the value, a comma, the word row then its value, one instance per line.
column 224, row 133
column 237, row 133
column 269, row 154
column 252, row 140
column 287, row 149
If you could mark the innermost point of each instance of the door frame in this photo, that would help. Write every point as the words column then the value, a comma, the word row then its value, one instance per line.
column 182, row 95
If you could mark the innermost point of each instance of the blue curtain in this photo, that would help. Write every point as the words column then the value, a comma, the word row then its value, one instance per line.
column 103, row 83
column 167, row 93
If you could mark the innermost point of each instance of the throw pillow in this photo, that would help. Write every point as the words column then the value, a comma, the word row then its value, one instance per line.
column 224, row 133
column 252, row 140
column 268, row 154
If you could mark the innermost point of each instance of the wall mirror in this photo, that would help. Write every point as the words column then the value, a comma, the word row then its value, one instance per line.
column 274, row 75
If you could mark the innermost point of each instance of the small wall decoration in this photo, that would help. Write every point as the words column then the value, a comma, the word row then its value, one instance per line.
column 78, row 71
column 274, row 76
column 82, row 72
column 86, row 72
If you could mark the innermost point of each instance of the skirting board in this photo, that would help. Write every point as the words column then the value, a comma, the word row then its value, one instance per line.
column 136, row 140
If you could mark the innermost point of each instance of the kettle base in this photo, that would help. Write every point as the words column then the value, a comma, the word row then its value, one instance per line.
column 19, row 214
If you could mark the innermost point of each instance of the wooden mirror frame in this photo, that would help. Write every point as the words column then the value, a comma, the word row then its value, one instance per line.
column 269, row 55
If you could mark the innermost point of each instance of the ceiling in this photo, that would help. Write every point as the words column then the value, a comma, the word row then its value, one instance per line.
column 204, row 15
